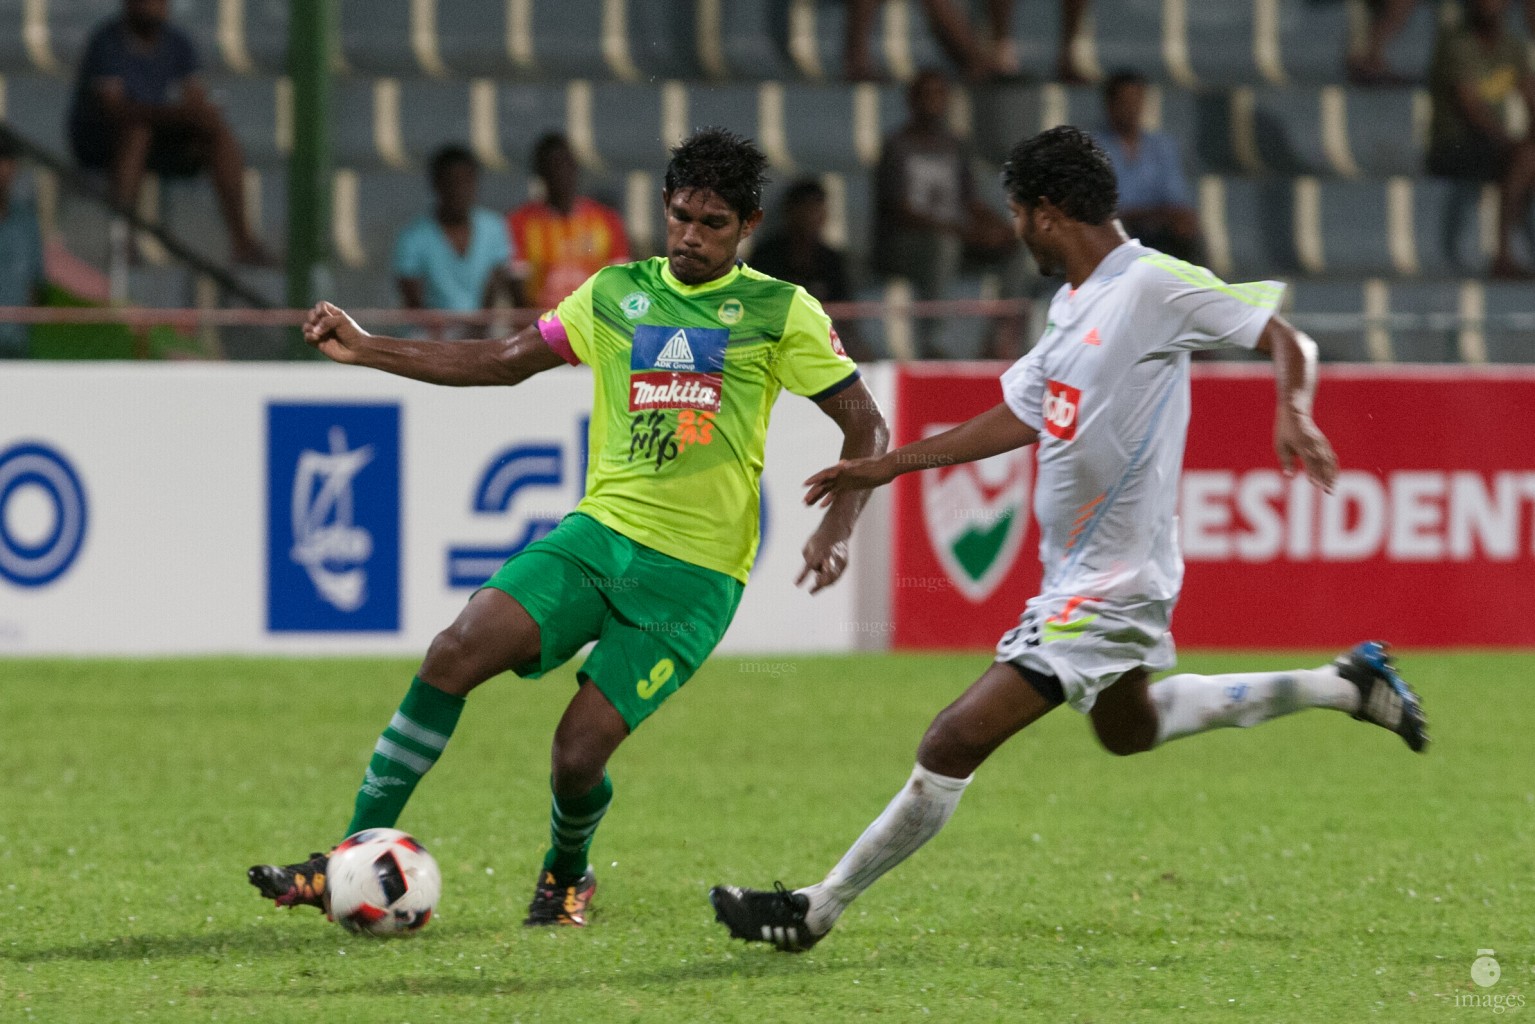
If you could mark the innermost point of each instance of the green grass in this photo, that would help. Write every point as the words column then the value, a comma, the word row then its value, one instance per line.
column 1310, row 870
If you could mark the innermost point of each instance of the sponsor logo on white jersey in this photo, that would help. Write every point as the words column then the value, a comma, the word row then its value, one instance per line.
column 1062, row 408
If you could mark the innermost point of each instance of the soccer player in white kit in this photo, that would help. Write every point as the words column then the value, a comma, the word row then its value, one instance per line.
column 1105, row 396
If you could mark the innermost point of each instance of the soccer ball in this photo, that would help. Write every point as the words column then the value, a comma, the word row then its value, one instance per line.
column 381, row 881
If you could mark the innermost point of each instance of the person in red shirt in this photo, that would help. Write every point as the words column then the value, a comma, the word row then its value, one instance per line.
column 564, row 238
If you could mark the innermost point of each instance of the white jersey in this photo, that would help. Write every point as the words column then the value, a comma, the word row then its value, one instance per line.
column 1107, row 387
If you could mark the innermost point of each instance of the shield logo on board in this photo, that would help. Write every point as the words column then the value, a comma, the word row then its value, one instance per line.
column 976, row 515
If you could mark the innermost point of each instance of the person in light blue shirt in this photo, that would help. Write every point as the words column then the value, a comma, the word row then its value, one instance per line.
column 21, row 254
column 457, row 257
column 1155, row 202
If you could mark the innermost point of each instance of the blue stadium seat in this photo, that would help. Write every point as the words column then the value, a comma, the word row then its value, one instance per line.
column 1510, row 331
column 1447, row 224
column 1007, row 113
column 507, row 189
column 168, row 287
column 1354, row 228
column 37, row 106
column 525, row 111
column 1331, row 312
column 568, row 39
column 1433, row 307
column 663, row 38
column 250, row 104
column 754, row 39
column 70, row 24
column 1126, row 33
column 433, row 113
column 1220, row 42
column 1312, row 38
column 386, row 202
column 1287, row 130
column 822, row 124
column 730, row 105
column 627, row 125
column 265, row 34
column 352, row 137
column 375, row 37
column 1260, row 218
column 472, row 37
column 1382, row 131
column 14, row 55
column 826, row 40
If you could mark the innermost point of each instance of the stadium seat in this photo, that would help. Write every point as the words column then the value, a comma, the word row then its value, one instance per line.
column 839, row 127
column 1510, row 328
column 525, row 111
column 353, row 135
column 1287, row 131
column 1450, row 224
column 1127, row 34
column 1260, row 218
column 627, row 125
column 70, row 24
column 1312, row 37
column 1353, row 221
column 1004, row 114
column 507, row 189
column 433, row 113
column 265, row 35
column 376, row 39
column 1220, row 43
column 253, row 106
column 1332, row 313
column 1384, row 131
column 753, row 38
column 732, row 105
column 663, row 38
column 37, row 106
column 570, row 38
column 473, row 39
column 15, row 54
column 1423, row 321
column 816, row 34
column 386, row 201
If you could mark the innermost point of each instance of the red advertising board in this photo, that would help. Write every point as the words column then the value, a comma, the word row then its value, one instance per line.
column 1428, row 539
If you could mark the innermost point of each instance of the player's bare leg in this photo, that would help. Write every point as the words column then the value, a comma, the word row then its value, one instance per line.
column 963, row 735
column 1135, row 715
column 588, row 733
column 492, row 634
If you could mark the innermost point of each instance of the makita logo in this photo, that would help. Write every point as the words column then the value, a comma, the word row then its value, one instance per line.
column 1062, row 402
column 675, row 391
column 677, row 354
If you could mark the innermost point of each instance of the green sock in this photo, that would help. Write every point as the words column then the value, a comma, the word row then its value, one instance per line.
column 572, row 823
column 409, row 747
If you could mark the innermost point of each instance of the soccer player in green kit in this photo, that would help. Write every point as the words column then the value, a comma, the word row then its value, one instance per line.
column 688, row 353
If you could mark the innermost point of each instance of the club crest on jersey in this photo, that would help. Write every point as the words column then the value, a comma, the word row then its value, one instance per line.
column 1063, row 407
column 731, row 311
column 976, row 514
column 635, row 305
column 677, row 368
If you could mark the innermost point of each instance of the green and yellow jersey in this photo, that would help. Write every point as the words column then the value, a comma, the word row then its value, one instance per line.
column 685, row 377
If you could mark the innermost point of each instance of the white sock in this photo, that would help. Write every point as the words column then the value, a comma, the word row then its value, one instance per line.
column 1189, row 704
column 918, row 812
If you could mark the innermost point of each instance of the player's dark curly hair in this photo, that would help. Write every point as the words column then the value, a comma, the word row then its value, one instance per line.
column 1066, row 167
column 727, row 164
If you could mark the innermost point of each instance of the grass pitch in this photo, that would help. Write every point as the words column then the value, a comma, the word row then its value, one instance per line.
column 1309, row 870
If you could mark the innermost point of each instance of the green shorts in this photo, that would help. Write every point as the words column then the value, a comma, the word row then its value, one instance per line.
column 655, row 618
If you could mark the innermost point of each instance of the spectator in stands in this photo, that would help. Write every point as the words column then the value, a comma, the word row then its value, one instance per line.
column 1477, row 66
column 1155, row 203
column 978, row 61
column 566, row 237
column 927, row 214
column 797, row 253
column 21, row 253
column 139, row 105
column 1367, row 65
column 457, row 257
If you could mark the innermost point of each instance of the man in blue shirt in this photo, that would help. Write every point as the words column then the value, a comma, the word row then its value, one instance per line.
column 1155, row 203
column 458, row 256
column 21, row 254
column 139, row 105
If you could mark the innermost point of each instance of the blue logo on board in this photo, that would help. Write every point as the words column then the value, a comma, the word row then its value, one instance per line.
column 333, row 518
column 35, row 558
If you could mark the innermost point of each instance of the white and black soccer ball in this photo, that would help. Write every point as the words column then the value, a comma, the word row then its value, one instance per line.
column 381, row 881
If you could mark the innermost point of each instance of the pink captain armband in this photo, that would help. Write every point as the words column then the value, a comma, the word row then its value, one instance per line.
column 554, row 336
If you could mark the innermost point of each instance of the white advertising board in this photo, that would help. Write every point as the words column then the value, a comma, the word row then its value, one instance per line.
column 177, row 509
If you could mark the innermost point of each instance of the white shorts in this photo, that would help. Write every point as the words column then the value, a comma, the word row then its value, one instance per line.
column 1088, row 643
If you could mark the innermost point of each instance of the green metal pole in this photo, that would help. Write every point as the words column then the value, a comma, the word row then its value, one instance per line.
column 312, row 35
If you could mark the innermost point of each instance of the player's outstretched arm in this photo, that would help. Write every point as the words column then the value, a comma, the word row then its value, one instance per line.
column 993, row 432
column 864, row 435
column 1297, row 439
column 455, row 363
